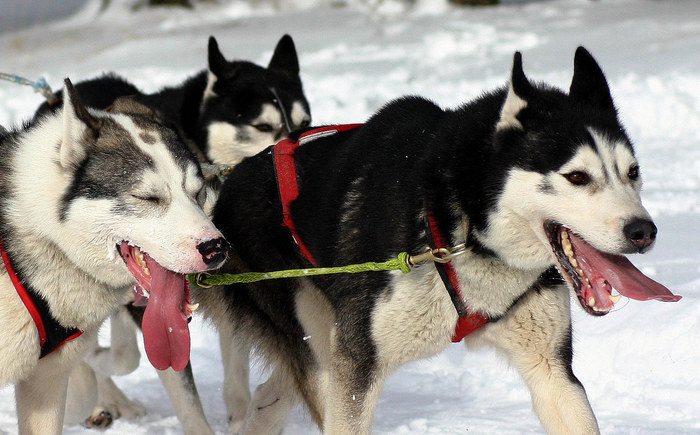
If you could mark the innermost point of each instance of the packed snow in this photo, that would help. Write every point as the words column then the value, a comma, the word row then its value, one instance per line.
column 639, row 364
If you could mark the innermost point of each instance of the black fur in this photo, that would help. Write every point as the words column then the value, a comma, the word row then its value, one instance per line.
column 241, row 89
column 364, row 194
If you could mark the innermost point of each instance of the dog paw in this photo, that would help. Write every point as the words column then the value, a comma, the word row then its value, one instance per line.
column 99, row 420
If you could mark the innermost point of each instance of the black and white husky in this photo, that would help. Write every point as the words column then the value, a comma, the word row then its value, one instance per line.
column 93, row 203
column 533, row 180
column 230, row 110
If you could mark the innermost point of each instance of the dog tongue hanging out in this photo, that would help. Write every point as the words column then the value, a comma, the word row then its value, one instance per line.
column 168, row 309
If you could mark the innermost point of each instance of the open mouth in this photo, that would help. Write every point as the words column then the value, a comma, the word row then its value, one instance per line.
column 168, row 308
column 594, row 274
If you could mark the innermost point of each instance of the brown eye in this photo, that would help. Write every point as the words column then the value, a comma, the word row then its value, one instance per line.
column 633, row 172
column 578, row 178
column 265, row 128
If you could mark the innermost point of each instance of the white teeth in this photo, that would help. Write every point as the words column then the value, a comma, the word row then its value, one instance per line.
column 192, row 307
column 615, row 298
column 591, row 302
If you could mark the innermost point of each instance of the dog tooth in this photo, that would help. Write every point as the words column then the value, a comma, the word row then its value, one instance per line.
column 615, row 298
column 573, row 261
column 193, row 307
column 580, row 272
column 591, row 301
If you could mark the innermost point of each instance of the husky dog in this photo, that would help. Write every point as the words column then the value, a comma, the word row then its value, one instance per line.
column 92, row 203
column 229, row 111
column 531, row 179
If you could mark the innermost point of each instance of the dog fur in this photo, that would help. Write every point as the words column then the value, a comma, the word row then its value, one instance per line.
column 525, row 166
column 80, row 192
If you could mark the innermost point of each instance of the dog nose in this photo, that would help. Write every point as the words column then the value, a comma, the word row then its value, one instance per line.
column 641, row 232
column 214, row 252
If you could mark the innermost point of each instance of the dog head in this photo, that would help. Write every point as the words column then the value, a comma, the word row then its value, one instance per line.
column 570, row 194
column 246, row 107
column 131, row 210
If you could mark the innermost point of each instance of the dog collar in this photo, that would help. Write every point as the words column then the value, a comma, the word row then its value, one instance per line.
column 288, row 188
column 52, row 334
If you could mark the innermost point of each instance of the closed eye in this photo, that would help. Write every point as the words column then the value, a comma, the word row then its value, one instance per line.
column 148, row 198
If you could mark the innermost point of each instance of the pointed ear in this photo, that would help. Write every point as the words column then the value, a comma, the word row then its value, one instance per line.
column 218, row 65
column 79, row 127
column 516, row 99
column 589, row 85
column 285, row 59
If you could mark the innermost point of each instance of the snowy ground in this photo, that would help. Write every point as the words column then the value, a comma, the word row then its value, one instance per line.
column 639, row 364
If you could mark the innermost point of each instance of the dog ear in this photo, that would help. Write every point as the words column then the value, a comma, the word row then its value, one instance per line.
column 588, row 84
column 285, row 58
column 79, row 127
column 516, row 99
column 218, row 65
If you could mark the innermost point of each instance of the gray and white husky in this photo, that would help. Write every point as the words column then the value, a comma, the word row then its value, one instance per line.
column 540, row 188
column 93, row 203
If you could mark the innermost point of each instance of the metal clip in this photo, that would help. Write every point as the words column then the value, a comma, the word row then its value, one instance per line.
column 201, row 276
column 438, row 255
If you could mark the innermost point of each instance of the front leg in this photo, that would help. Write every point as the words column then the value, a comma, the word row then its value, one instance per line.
column 41, row 399
column 535, row 335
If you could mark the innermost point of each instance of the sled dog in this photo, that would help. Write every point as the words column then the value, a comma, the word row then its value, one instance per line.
column 231, row 110
column 93, row 203
column 526, row 187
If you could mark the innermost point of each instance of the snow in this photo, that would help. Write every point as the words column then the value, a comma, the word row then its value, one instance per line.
column 639, row 364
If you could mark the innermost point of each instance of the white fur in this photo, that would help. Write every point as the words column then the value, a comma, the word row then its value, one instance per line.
column 76, row 267
column 512, row 106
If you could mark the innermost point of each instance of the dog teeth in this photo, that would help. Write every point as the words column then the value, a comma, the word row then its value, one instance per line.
column 192, row 307
column 141, row 260
column 615, row 298
column 591, row 302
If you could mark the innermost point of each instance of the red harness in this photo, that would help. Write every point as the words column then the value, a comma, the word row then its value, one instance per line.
column 288, row 185
column 52, row 334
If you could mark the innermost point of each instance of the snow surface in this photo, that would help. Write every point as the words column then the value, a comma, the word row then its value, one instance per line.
column 639, row 364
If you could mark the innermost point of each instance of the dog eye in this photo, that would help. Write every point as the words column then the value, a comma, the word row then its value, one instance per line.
column 148, row 198
column 633, row 172
column 578, row 178
column 265, row 128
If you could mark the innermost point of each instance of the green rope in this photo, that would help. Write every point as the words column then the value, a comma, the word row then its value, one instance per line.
column 204, row 280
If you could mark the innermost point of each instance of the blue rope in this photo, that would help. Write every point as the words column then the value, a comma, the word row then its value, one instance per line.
column 39, row 86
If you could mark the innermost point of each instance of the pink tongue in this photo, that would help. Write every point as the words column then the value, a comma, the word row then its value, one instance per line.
column 166, row 334
column 619, row 272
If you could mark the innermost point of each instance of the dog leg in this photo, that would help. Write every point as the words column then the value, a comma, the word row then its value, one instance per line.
column 41, row 399
column 112, row 404
column 271, row 404
column 82, row 394
column 123, row 356
column 185, row 399
column 536, row 337
column 235, row 357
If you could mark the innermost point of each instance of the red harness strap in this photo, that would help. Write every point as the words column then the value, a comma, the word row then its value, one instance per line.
column 51, row 334
column 288, row 185
column 287, row 182
column 467, row 322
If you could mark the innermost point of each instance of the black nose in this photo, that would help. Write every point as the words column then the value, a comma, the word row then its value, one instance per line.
column 214, row 252
column 641, row 232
